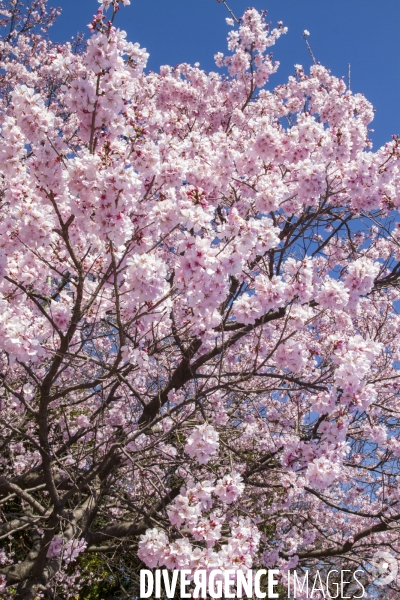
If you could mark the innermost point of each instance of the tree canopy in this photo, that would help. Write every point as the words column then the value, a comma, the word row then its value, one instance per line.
column 199, row 330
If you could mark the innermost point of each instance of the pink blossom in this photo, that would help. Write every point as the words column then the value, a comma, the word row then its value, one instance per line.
column 152, row 546
column 291, row 355
column 55, row 547
column 229, row 488
column 202, row 443
column 322, row 472
column 72, row 549
column 333, row 295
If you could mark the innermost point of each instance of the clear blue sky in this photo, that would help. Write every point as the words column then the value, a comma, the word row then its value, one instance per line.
column 365, row 33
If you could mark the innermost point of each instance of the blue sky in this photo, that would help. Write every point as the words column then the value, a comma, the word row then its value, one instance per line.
column 364, row 33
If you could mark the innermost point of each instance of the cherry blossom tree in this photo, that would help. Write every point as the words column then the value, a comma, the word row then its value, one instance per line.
column 199, row 330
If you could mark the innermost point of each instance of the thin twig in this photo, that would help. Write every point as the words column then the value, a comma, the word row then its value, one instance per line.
column 309, row 49
column 230, row 11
